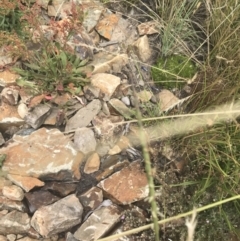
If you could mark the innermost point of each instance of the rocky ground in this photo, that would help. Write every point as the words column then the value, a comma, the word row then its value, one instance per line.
column 72, row 166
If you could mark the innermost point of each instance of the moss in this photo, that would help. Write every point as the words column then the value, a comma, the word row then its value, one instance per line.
column 176, row 66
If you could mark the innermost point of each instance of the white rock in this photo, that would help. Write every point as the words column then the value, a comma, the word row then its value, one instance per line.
column 13, row 192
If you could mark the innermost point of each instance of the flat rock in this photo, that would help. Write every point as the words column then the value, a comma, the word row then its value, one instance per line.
column 39, row 198
column 44, row 153
column 26, row 183
column 84, row 116
column 107, row 83
column 13, row 192
column 84, row 140
column 15, row 223
column 36, row 117
column 92, row 164
column 128, row 185
column 2, row 141
column 57, row 217
column 99, row 223
column 166, row 99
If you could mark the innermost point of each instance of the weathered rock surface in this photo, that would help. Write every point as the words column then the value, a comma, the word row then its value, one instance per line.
column 58, row 217
column 13, row 192
column 84, row 140
column 44, row 153
column 84, row 116
column 15, row 223
column 128, row 185
column 100, row 222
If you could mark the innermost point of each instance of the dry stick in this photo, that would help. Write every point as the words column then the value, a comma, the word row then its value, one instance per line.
column 182, row 215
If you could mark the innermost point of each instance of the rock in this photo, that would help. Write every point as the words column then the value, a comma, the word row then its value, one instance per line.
column 84, row 116
column 109, row 63
column 13, row 192
column 91, row 92
column 142, row 49
column 99, row 223
column 131, row 183
column 5, row 58
column 58, row 217
column 3, row 238
column 59, row 9
column 27, row 239
column 4, row 182
column 22, row 110
column 7, row 78
column 15, row 223
column 92, row 13
column 166, row 100
column 8, row 204
column 111, row 165
column 107, row 83
column 121, row 108
column 60, row 188
column 26, row 183
column 2, row 141
column 84, row 140
column 124, row 31
column 39, row 198
column 148, row 28
column 144, row 96
column 106, row 25
column 126, row 100
column 82, row 44
column 38, row 115
column 11, row 237
column 92, row 198
column 9, row 116
column 92, row 163
column 10, row 96
column 44, row 153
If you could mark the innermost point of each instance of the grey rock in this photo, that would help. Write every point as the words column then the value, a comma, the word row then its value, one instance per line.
column 121, row 108
column 2, row 141
column 84, row 140
column 58, row 217
column 84, row 116
column 10, row 96
column 15, row 222
column 99, row 223
column 11, row 237
column 37, row 116
column 8, row 204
